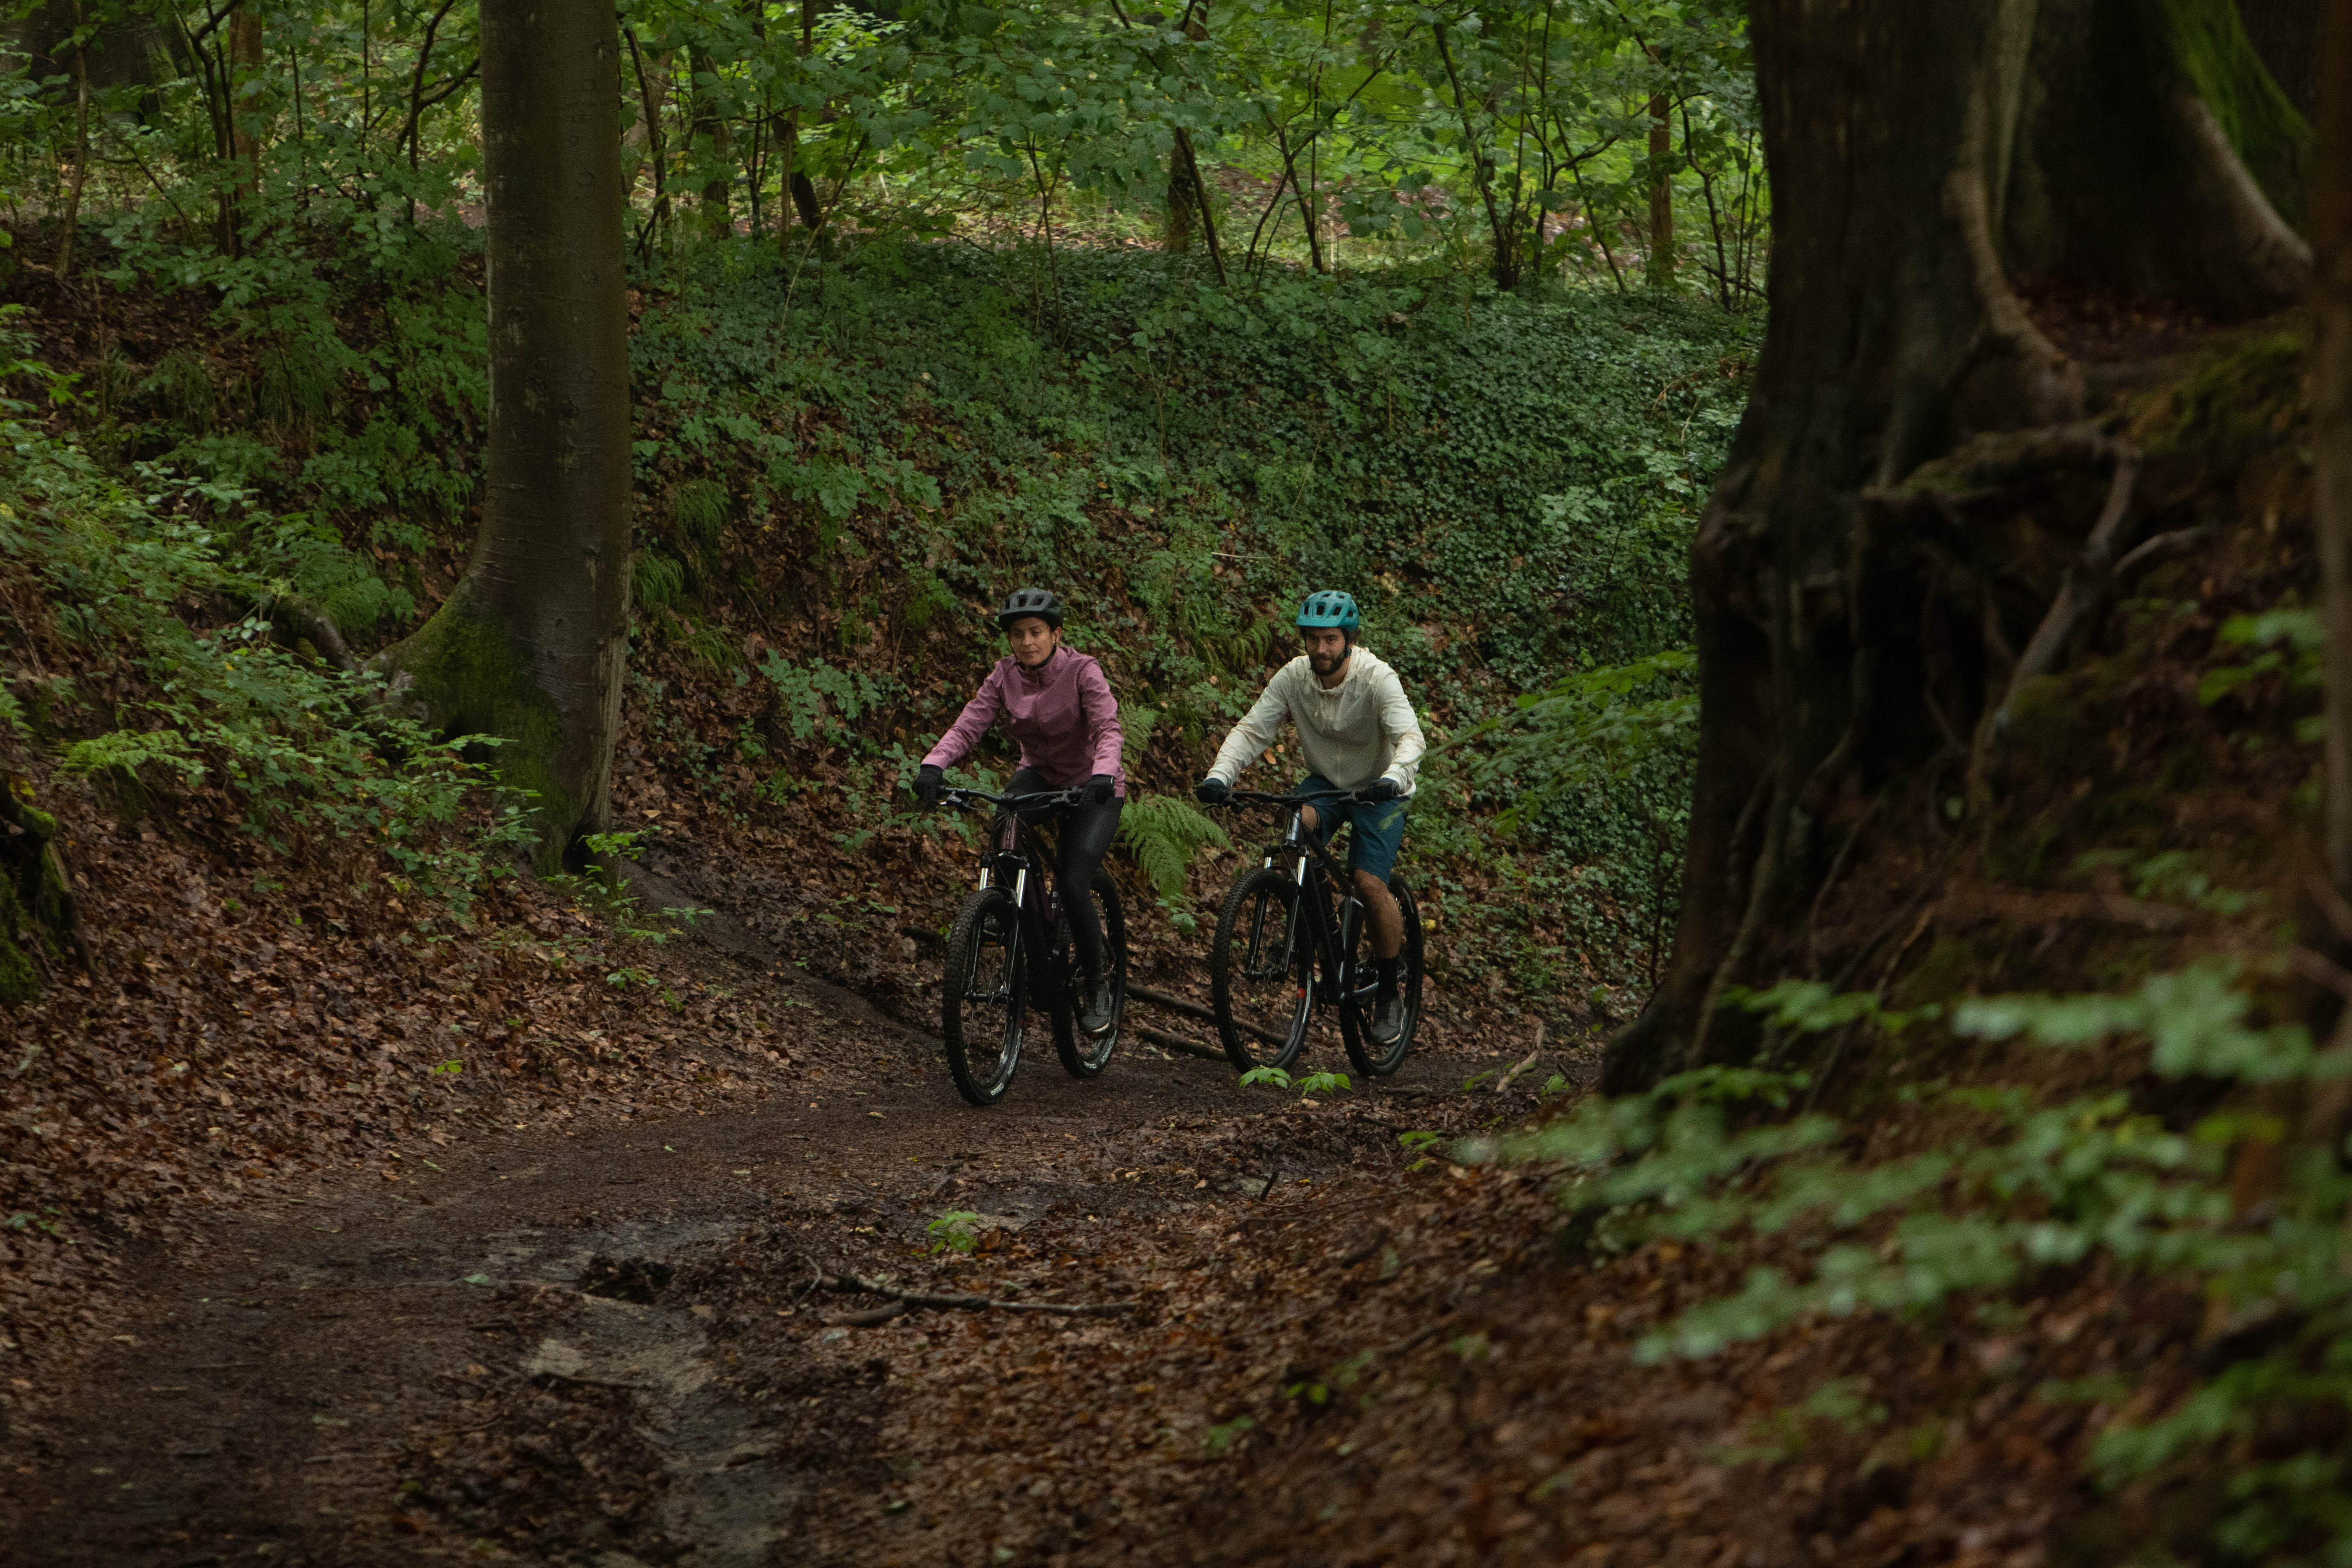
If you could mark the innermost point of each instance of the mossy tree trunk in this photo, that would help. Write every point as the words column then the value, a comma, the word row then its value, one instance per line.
column 530, row 645
column 1855, row 631
column 37, row 919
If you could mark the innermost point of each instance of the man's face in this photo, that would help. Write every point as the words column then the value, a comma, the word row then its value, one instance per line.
column 1327, row 648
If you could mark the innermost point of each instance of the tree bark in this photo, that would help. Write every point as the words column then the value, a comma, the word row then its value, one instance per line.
column 1661, row 195
column 2331, row 414
column 530, row 645
column 245, row 62
column 2286, row 34
column 1854, row 629
column 2155, row 154
column 714, row 140
column 82, row 162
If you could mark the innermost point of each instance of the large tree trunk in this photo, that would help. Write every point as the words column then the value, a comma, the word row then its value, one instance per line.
column 2331, row 414
column 2286, row 34
column 2125, row 171
column 1854, row 631
column 530, row 645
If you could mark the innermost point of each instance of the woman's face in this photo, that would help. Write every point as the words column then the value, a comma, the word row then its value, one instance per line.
column 1034, row 641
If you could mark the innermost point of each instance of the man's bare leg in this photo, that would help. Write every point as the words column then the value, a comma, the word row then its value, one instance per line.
column 1388, row 920
column 1380, row 904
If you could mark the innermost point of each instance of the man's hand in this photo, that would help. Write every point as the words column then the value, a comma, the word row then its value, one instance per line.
column 1100, row 788
column 1383, row 789
column 1211, row 792
column 930, row 784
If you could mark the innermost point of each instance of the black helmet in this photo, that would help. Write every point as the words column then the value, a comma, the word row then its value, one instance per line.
column 1027, row 602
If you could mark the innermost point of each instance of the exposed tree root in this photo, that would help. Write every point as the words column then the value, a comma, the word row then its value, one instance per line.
column 2262, row 264
column 2081, row 595
column 904, row 1301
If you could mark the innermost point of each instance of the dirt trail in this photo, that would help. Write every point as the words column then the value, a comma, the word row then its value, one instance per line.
column 302, row 1383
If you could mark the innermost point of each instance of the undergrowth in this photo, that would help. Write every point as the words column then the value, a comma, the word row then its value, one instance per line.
column 841, row 464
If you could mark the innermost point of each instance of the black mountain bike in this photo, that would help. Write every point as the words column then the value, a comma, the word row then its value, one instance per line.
column 1280, row 929
column 1012, row 949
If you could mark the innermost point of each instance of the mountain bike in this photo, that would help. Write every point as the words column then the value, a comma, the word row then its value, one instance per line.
column 1290, row 918
column 1011, row 949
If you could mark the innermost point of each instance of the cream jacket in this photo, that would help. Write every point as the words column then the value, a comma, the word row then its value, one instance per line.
column 1352, row 733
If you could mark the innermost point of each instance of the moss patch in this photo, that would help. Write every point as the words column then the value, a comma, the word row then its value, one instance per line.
column 469, row 676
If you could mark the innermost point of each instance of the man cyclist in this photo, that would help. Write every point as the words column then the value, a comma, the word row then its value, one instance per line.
column 1059, row 706
column 1359, row 733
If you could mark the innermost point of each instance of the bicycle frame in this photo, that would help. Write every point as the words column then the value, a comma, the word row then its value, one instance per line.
column 1332, row 954
column 1014, row 855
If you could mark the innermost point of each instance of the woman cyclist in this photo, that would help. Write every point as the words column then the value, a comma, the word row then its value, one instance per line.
column 1058, row 706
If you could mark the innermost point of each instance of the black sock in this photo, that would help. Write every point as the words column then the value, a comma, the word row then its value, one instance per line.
column 1388, row 973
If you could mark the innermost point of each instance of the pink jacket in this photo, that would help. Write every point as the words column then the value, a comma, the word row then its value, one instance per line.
column 1061, row 713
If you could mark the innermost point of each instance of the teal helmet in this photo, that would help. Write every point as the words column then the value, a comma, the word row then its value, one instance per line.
column 1328, row 607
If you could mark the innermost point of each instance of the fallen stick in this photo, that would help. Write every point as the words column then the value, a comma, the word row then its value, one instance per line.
column 1194, row 1010
column 1169, row 1042
column 851, row 1284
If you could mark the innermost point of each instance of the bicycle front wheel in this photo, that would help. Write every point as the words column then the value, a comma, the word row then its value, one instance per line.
column 1262, row 972
column 1371, row 1057
column 985, row 998
column 1084, row 1055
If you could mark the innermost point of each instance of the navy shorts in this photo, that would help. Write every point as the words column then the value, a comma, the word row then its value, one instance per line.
column 1376, row 830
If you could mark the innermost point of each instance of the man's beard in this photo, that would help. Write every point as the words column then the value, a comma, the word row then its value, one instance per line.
column 1324, row 663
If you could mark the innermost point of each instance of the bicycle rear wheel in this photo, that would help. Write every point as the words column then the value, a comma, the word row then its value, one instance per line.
column 1262, row 972
column 1084, row 1055
column 1356, row 1011
column 985, row 998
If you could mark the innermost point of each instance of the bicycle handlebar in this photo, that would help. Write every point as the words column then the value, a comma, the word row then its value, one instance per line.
column 1260, row 797
column 954, row 796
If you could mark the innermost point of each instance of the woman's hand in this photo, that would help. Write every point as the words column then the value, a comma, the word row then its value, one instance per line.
column 1100, row 789
column 931, row 782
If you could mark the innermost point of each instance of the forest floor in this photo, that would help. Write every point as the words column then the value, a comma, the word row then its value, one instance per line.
column 599, row 1337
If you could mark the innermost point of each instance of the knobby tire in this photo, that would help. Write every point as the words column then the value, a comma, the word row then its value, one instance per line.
column 983, row 1031
column 1368, row 1055
column 1084, row 1055
column 1245, row 929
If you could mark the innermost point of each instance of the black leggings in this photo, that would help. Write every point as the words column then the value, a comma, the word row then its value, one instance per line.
column 1085, row 834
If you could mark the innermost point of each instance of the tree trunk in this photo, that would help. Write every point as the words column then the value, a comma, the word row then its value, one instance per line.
column 246, row 63
column 2286, row 34
column 2331, row 414
column 1854, row 631
column 713, row 140
column 2156, row 153
column 530, row 645
column 82, row 162
column 1661, row 196
column 1183, row 205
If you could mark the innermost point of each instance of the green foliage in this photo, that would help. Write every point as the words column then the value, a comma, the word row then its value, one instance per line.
column 955, row 1231
column 824, row 702
column 2019, row 1186
column 1163, row 833
column 2290, row 642
column 306, row 751
column 1596, row 727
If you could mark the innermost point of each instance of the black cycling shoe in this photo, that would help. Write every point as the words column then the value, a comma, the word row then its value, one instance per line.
column 1387, row 1017
column 1095, row 1015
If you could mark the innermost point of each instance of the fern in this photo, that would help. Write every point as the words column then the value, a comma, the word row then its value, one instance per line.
column 132, row 750
column 1163, row 833
column 1136, row 724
